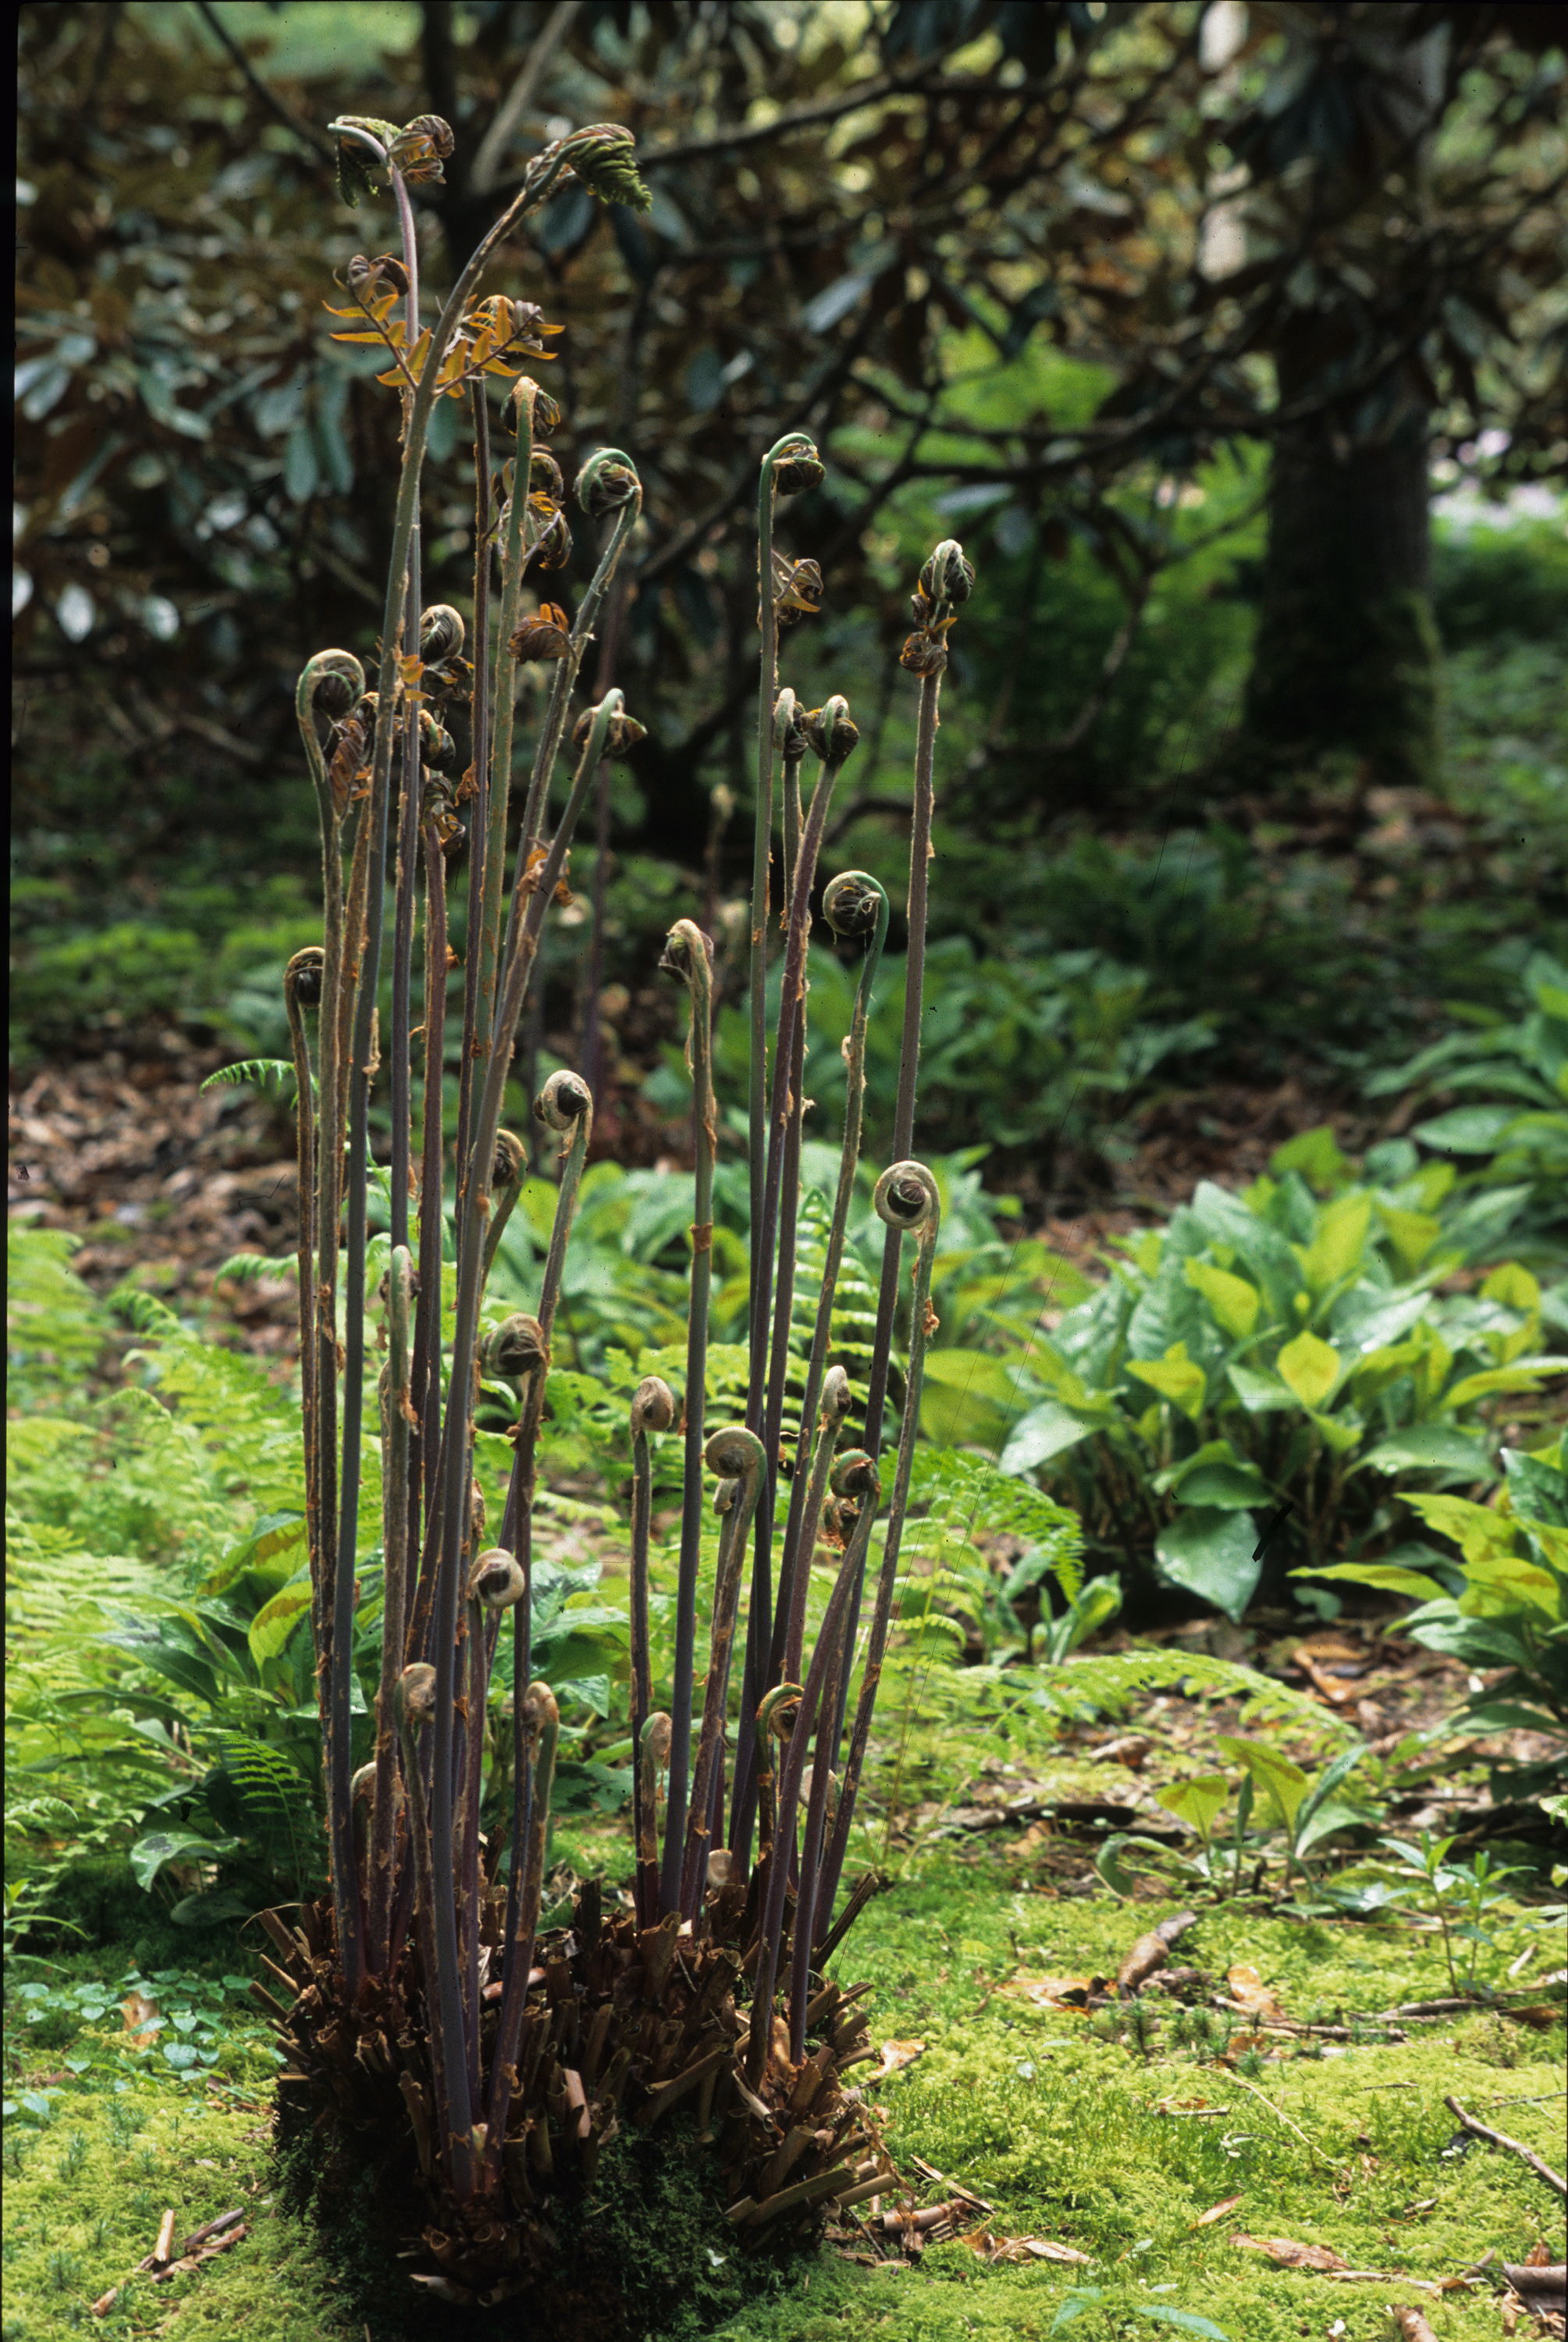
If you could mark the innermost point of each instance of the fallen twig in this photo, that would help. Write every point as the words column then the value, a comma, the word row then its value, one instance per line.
column 231, row 2235
column 164, row 2250
column 1537, row 2164
column 199, row 2236
column 1464, row 2004
column 1241, row 2083
column 1152, row 1952
column 1412, row 2322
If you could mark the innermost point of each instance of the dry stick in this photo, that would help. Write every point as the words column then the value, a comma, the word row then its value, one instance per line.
column 1241, row 2083
column 896, row 1188
column 689, row 955
column 652, row 1410
column 737, row 1456
column 1538, row 2164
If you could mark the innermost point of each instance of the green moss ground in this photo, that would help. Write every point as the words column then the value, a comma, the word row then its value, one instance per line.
column 1025, row 2106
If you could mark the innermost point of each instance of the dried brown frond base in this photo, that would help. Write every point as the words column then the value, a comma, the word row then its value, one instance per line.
column 625, row 2030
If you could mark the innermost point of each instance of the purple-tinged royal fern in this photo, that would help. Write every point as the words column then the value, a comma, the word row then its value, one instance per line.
column 436, row 2033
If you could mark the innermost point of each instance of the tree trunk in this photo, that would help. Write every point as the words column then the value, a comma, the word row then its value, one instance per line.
column 1346, row 660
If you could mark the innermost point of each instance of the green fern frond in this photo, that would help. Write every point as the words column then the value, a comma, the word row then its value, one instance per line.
column 145, row 1312
column 1110, row 1682
column 854, row 1313
column 250, row 1268
column 967, row 1497
column 267, row 1785
column 264, row 1073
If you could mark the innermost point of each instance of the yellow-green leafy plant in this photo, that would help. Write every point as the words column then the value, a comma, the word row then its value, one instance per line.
column 439, row 2034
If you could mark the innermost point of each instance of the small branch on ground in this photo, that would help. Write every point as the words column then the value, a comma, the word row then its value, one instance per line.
column 1537, row 2164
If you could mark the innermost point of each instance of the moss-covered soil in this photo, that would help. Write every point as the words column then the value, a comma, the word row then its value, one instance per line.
column 1033, row 2108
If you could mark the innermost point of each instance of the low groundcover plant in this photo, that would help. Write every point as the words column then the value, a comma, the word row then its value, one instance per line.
column 438, row 2037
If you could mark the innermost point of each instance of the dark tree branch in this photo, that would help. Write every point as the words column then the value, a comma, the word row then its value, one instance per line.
column 515, row 107
column 313, row 137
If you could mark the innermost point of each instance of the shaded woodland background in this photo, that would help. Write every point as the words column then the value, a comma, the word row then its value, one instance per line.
column 1179, row 317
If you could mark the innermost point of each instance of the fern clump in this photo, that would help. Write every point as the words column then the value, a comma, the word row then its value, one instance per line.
column 487, row 2070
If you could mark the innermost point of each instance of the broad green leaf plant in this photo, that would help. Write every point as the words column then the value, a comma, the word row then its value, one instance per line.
column 1255, row 1384
column 1494, row 1594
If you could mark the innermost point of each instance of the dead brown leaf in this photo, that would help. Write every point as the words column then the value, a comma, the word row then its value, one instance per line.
column 895, row 2055
column 1243, row 2045
column 1411, row 2323
column 1217, row 2212
column 139, row 2013
column 991, row 2247
column 1252, row 1996
column 1060, row 1992
column 1285, row 2253
column 1149, row 1953
column 1333, row 1688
